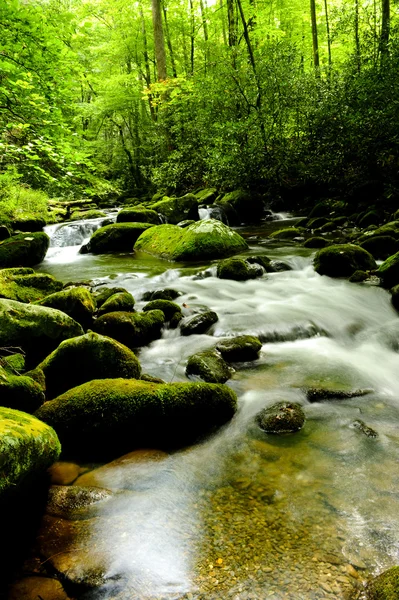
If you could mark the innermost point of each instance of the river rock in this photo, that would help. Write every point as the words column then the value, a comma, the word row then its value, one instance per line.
column 203, row 240
column 238, row 269
column 316, row 222
column 261, row 260
column 29, row 224
column 77, row 302
column 81, row 215
column 119, row 237
column 389, row 271
column 239, row 349
column 131, row 329
column 171, row 310
column 381, row 246
column 38, row 330
column 241, row 206
column 177, row 209
column 20, row 392
column 320, row 394
column 198, row 324
column 385, row 586
column 138, row 215
column 120, row 301
column 343, row 260
column 282, row 417
column 316, row 242
column 64, row 473
column 27, row 447
column 288, row 233
column 24, row 250
column 105, row 293
column 24, row 285
column 358, row 277
column 163, row 294
column 87, row 357
column 209, row 366
column 35, row 587
column 75, row 502
column 112, row 416
column 365, row 429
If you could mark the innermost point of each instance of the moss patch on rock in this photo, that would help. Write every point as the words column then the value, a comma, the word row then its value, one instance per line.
column 131, row 329
column 115, row 415
column 138, row 215
column 238, row 269
column 381, row 246
column 77, row 302
column 239, row 349
column 28, row 286
column 119, row 301
column 177, row 209
column 209, row 366
column 389, row 271
column 24, row 250
column 198, row 324
column 343, row 260
column 20, row 392
column 384, row 586
column 202, row 240
column 282, row 417
column 288, row 233
column 118, row 237
column 171, row 310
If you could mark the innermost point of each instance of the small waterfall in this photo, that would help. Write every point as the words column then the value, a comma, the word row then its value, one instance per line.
column 204, row 214
column 213, row 212
column 73, row 233
column 162, row 219
column 279, row 216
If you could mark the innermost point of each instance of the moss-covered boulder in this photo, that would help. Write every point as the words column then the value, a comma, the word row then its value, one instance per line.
column 87, row 357
column 395, row 296
column 316, row 242
column 24, row 250
column 206, row 196
column 112, row 416
column 238, row 269
column 118, row 237
column 358, row 277
column 119, row 301
column 263, row 261
column 208, row 366
column 171, row 310
column 198, row 324
column 204, row 240
column 77, row 302
column 29, row 224
column 343, row 260
column 81, row 215
column 38, row 330
column 163, row 294
column 389, row 271
column 20, row 392
column 14, row 363
column 316, row 223
column 242, row 206
column 27, row 448
column 385, row 586
column 282, row 417
column 371, row 217
column 131, row 329
column 138, row 215
column 381, row 246
column 103, row 294
column 288, row 233
column 321, row 209
column 177, row 209
column 25, row 285
column 240, row 349
column 391, row 228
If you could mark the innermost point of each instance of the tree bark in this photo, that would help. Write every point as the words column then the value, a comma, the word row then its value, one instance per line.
column 169, row 41
column 316, row 58
column 385, row 27
column 328, row 33
column 159, row 42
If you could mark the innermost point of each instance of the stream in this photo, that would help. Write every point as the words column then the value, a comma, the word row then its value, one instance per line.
column 246, row 515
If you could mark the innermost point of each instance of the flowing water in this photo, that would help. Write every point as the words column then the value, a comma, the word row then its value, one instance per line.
column 246, row 515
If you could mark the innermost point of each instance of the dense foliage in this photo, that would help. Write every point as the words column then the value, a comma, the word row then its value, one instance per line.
column 286, row 98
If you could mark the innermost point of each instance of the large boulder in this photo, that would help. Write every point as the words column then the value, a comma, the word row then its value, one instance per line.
column 177, row 209
column 27, row 448
column 381, row 246
column 238, row 269
column 87, row 357
column 389, row 271
column 119, row 301
column 38, row 330
column 24, row 250
column 138, row 215
column 19, row 392
column 209, row 366
column 385, row 586
column 24, row 285
column 242, row 206
column 29, row 223
column 77, row 302
column 288, row 233
column 131, row 329
column 110, row 416
column 343, row 260
column 118, row 237
column 203, row 240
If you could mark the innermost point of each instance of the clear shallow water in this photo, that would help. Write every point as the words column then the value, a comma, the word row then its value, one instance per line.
column 246, row 515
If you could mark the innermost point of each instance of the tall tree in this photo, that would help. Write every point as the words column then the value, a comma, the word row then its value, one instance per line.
column 316, row 58
column 159, row 41
column 385, row 27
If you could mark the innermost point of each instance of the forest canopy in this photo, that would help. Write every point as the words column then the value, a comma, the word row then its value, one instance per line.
column 109, row 96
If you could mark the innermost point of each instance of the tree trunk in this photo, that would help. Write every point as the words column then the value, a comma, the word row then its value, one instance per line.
column 328, row 33
column 205, row 29
column 385, row 27
column 357, row 38
column 169, row 41
column 159, row 42
column 192, row 34
column 147, row 75
column 316, row 59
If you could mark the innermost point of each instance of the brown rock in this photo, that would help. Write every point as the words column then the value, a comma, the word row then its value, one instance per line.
column 32, row 588
column 64, row 473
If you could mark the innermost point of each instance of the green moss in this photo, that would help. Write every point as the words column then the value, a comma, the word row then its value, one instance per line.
column 240, row 348
column 118, row 237
column 288, row 233
column 358, row 277
column 14, row 363
column 389, row 271
column 19, row 392
column 247, row 207
column 282, row 417
column 238, row 269
column 76, row 302
column 343, row 260
column 198, row 324
column 24, row 250
column 79, row 215
column 119, row 301
column 381, row 246
column 317, row 222
column 209, row 366
column 131, row 329
column 15, row 284
column 103, row 295
column 138, row 215
column 316, row 242
column 171, row 310
column 30, row 223
column 84, row 358
column 177, row 209
column 203, row 240
column 117, row 415
column 385, row 586
column 27, row 448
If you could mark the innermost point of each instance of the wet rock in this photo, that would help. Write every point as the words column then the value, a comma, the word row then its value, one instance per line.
column 36, row 588
column 131, row 329
column 389, row 271
column 358, row 277
column 395, row 296
column 288, row 233
column 198, row 324
column 343, row 260
column 109, row 416
column 24, row 250
column 381, row 246
column 385, row 586
column 320, row 394
column 203, row 240
column 138, row 215
column 209, row 366
column 371, row 217
column 80, row 215
column 239, row 349
column 282, row 417
column 177, row 209
column 14, row 364
column 278, row 266
column 164, row 294
column 35, row 329
column 121, row 301
column 207, row 195
column 64, row 473
column 171, row 310
column 316, row 242
column 317, row 222
column 77, row 302
column 74, row 502
column 104, row 294
column 261, row 260
column 151, row 378
column 321, row 209
column 20, row 392
column 29, row 224
column 365, row 429
column 119, row 237
column 238, row 269
column 24, row 285
column 27, row 447
column 241, row 206
column 87, row 357
column 297, row 332
column 185, row 223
